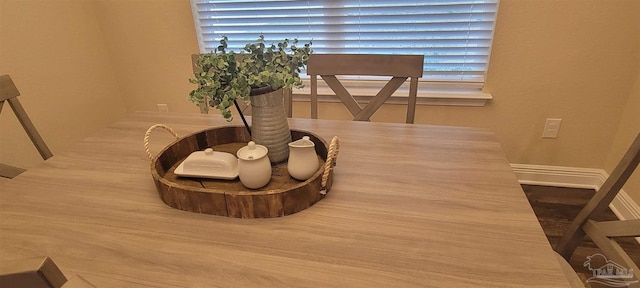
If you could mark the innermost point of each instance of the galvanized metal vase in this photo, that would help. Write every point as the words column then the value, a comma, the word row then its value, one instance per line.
column 269, row 126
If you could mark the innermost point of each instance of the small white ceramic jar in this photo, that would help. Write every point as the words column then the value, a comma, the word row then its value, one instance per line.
column 254, row 167
column 303, row 160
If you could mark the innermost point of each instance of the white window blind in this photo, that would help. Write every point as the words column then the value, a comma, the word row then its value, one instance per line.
column 455, row 36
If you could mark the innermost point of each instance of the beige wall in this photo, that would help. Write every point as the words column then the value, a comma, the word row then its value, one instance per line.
column 151, row 42
column 55, row 53
column 571, row 59
column 627, row 131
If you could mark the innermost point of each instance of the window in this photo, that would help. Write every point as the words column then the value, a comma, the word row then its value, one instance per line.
column 454, row 35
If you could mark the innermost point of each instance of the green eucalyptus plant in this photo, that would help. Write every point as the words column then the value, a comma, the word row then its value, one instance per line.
column 227, row 76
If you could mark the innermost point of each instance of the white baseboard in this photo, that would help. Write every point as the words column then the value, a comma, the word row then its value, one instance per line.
column 623, row 206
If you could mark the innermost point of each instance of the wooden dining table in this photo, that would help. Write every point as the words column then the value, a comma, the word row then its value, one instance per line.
column 410, row 206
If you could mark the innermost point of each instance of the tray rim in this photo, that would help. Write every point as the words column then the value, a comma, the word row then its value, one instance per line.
column 247, row 195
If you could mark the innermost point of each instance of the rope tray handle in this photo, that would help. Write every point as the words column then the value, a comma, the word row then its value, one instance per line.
column 148, row 134
column 332, row 156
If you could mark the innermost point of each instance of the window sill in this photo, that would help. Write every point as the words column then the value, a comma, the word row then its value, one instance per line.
column 429, row 93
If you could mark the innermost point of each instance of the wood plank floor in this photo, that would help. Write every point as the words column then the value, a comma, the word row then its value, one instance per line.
column 556, row 207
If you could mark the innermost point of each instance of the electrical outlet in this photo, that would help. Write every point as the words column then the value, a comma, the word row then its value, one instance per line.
column 163, row 108
column 551, row 128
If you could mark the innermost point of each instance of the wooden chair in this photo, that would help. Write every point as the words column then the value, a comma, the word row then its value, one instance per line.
column 246, row 109
column 9, row 93
column 36, row 272
column 603, row 234
column 571, row 275
column 399, row 67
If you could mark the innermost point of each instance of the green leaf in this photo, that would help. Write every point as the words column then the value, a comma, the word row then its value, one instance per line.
column 224, row 79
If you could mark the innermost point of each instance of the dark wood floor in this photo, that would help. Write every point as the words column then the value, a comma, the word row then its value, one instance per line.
column 556, row 207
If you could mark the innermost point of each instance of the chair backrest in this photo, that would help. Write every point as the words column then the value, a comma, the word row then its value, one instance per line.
column 9, row 93
column 604, row 234
column 246, row 109
column 399, row 67
column 36, row 272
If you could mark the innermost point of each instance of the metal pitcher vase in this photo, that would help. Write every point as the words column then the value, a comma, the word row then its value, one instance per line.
column 269, row 126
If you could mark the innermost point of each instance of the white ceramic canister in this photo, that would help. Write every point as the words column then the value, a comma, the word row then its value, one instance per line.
column 254, row 167
column 303, row 160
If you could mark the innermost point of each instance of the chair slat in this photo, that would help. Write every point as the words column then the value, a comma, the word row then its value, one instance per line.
column 413, row 98
column 31, row 130
column 343, row 94
column 619, row 228
column 601, row 200
column 366, row 64
column 611, row 249
column 314, row 96
column 380, row 98
column 10, row 172
column 7, row 88
column 9, row 93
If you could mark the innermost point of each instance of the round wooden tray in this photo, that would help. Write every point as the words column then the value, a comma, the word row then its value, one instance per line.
column 283, row 195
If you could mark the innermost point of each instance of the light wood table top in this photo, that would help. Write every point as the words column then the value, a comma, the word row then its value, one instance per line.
column 410, row 206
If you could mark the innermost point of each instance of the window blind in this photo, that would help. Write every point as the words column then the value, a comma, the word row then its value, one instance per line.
column 455, row 36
